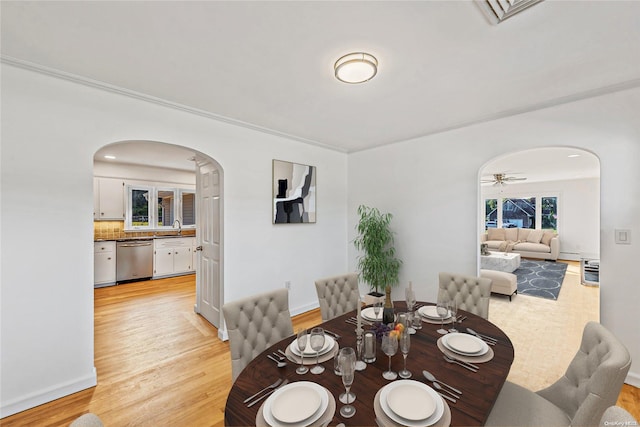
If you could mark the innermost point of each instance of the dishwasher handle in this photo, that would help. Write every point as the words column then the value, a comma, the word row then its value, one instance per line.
column 133, row 245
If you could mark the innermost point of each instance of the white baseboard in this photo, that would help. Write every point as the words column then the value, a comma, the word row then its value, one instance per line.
column 304, row 308
column 52, row 393
column 633, row 379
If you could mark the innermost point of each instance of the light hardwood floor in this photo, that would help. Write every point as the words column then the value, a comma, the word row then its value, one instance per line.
column 159, row 364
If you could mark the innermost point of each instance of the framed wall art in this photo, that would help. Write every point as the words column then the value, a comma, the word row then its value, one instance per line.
column 294, row 193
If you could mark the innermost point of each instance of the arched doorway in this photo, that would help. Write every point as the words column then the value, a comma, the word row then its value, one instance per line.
column 561, row 186
column 176, row 170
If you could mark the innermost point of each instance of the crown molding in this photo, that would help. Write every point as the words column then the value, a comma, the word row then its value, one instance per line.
column 97, row 84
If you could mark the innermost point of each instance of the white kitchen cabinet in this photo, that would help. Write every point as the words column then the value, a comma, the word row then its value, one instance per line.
column 108, row 199
column 173, row 256
column 104, row 263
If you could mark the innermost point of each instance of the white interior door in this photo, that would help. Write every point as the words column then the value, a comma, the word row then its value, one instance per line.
column 208, row 256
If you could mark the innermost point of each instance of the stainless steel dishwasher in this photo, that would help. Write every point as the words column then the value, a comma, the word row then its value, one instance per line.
column 134, row 260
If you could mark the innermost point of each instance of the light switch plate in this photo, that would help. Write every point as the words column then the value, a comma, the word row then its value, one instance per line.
column 623, row 237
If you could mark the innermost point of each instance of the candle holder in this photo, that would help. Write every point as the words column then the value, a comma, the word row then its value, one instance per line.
column 369, row 347
column 360, row 364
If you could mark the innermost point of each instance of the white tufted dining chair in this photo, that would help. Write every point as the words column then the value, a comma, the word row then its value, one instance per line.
column 337, row 295
column 590, row 385
column 472, row 293
column 254, row 324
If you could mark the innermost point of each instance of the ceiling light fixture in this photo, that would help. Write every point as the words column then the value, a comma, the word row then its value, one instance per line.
column 573, row 155
column 109, row 156
column 357, row 67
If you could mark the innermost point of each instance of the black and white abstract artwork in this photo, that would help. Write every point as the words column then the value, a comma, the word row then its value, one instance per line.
column 294, row 193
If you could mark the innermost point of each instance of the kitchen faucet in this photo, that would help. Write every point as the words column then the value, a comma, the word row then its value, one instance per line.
column 179, row 226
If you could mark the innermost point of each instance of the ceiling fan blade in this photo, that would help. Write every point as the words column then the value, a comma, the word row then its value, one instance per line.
column 512, row 178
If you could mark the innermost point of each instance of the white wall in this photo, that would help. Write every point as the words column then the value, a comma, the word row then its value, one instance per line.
column 51, row 129
column 430, row 184
column 578, row 211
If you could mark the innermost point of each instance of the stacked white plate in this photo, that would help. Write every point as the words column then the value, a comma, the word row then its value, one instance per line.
column 297, row 404
column 411, row 403
column 465, row 344
column 369, row 314
column 329, row 342
column 429, row 311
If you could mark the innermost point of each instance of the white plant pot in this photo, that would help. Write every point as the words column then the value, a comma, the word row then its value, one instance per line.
column 369, row 299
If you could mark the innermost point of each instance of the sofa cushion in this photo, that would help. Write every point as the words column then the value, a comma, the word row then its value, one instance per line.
column 495, row 234
column 546, row 237
column 534, row 236
column 494, row 244
column 523, row 233
column 511, row 234
column 532, row 247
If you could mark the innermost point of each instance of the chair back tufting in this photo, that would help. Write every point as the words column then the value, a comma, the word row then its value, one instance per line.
column 254, row 324
column 337, row 295
column 472, row 293
column 593, row 379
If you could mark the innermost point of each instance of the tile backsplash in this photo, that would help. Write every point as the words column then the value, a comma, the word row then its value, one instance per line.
column 112, row 230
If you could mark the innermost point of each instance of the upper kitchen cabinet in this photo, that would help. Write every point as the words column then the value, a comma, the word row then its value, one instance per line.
column 108, row 199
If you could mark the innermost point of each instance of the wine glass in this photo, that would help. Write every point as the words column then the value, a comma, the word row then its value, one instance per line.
column 443, row 310
column 348, row 368
column 301, row 340
column 317, row 342
column 453, row 309
column 377, row 307
column 349, row 353
column 389, row 347
column 404, row 341
column 410, row 298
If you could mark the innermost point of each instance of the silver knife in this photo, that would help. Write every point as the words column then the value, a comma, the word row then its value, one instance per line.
column 447, row 397
column 267, row 394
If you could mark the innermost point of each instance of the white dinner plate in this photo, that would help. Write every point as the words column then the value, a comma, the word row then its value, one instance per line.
column 329, row 342
column 429, row 311
column 429, row 398
column 300, row 403
column 465, row 344
column 411, row 402
column 369, row 314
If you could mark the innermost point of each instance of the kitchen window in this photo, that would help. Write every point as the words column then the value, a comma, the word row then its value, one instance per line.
column 151, row 208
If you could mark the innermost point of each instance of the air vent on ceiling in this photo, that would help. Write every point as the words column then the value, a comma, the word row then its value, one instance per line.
column 499, row 10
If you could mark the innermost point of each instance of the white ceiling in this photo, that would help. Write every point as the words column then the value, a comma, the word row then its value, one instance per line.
column 269, row 65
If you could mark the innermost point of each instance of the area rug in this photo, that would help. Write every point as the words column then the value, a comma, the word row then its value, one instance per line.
column 540, row 278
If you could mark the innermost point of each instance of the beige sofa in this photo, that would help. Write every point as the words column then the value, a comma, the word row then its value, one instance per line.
column 542, row 244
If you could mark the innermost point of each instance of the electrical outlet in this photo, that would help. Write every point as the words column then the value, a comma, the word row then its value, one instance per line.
column 287, row 284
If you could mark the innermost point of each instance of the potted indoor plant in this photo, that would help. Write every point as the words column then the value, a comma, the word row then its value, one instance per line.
column 377, row 264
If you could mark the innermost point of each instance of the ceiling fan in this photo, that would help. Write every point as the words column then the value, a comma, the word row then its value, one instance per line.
column 501, row 179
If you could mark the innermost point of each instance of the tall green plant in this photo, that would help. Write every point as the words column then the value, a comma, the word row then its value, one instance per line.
column 378, row 264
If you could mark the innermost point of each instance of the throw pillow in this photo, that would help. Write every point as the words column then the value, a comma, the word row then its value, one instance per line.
column 546, row 237
column 495, row 234
column 534, row 236
column 523, row 233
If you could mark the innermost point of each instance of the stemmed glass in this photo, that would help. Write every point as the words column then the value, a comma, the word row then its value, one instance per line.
column 301, row 340
column 443, row 310
column 349, row 353
column 377, row 307
column 405, row 344
column 389, row 347
column 317, row 342
column 453, row 309
column 347, row 367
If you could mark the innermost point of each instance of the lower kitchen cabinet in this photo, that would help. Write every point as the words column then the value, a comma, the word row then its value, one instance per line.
column 173, row 256
column 104, row 264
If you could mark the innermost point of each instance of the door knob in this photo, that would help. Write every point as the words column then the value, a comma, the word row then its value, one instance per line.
column 199, row 248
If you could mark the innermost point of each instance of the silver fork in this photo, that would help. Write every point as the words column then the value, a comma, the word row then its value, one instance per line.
column 274, row 385
column 463, row 364
column 285, row 382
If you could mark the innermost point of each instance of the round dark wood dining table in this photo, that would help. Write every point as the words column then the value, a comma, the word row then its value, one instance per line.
column 479, row 389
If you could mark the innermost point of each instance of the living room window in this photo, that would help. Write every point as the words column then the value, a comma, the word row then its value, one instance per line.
column 522, row 212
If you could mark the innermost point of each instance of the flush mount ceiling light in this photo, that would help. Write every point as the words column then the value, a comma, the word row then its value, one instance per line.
column 357, row 67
